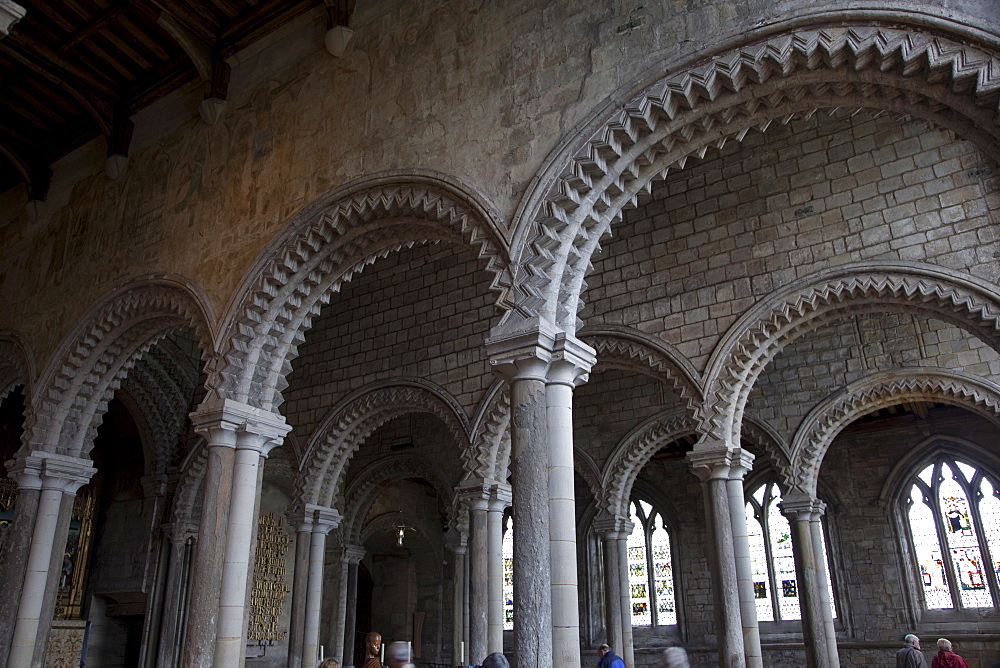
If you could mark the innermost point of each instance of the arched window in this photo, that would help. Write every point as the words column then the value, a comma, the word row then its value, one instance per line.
column 650, row 568
column 772, row 560
column 954, row 519
column 507, row 552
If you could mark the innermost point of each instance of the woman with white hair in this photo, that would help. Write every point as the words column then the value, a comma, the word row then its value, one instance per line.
column 946, row 658
column 675, row 657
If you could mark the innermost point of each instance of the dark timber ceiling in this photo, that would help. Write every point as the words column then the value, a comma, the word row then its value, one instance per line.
column 73, row 70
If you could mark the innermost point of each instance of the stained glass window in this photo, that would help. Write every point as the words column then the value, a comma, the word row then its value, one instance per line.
column 650, row 568
column 953, row 513
column 507, row 553
column 772, row 561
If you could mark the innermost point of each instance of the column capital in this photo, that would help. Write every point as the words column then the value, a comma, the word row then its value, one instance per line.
column 354, row 553
column 228, row 423
column 47, row 470
column 572, row 360
column 500, row 497
column 611, row 527
column 522, row 351
column 324, row 519
column 714, row 463
column 800, row 506
column 475, row 493
column 154, row 485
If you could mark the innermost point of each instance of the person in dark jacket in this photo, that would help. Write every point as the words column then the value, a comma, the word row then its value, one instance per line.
column 608, row 658
column 910, row 656
column 946, row 658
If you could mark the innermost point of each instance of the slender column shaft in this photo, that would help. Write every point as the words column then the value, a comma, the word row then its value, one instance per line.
column 823, row 582
column 230, row 647
column 203, row 606
column 741, row 553
column 152, row 625
column 532, row 566
column 479, row 580
column 336, row 641
column 314, row 596
column 799, row 513
column 495, row 567
column 466, row 575
column 300, row 579
column 562, row 516
column 613, row 592
column 172, row 609
column 352, row 612
column 458, row 608
column 14, row 562
column 628, row 643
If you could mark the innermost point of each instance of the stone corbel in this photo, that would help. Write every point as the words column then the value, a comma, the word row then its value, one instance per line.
column 338, row 26
column 212, row 68
column 118, row 144
column 10, row 14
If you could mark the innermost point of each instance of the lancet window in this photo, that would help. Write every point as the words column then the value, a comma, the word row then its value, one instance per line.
column 772, row 560
column 507, row 554
column 953, row 513
column 650, row 568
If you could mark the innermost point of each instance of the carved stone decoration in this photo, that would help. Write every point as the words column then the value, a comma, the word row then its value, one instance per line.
column 94, row 359
column 887, row 388
column 17, row 363
column 487, row 459
column 326, row 246
column 632, row 453
column 357, row 417
column 929, row 76
column 754, row 341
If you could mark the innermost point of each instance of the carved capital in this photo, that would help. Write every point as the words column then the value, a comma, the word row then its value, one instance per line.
column 231, row 424
column 714, row 464
column 354, row 553
column 500, row 497
column 46, row 471
column 571, row 361
column 800, row 507
column 523, row 352
column 613, row 527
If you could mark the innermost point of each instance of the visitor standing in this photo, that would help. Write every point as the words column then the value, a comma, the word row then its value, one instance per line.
column 946, row 658
column 608, row 658
column 910, row 655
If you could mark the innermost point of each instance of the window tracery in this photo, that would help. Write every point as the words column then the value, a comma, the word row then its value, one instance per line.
column 953, row 512
column 650, row 568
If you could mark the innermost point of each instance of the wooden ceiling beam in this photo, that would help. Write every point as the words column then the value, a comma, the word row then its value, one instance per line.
column 187, row 18
column 94, row 26
column 24, row 47
column 88, row 99
column 262, row 17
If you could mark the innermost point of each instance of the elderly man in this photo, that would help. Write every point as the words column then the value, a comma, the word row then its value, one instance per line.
column 946, row 658
column 910, row 656
column 608, row 658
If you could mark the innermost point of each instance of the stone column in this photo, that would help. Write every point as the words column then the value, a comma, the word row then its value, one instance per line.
column 302, row 521
column 476, row 496
column 323, row 521
column 355, row 554
column 522, row 357
column 14, row 561
column 823, row 581
column 335, row 639
column 712, row 466
column 57, row 478
column 628, row 646
column 499, row 500
column 571, row 363
column 238, row 438
column 172, row 620
column 609, row 529
column 743, row 462
column 799, row 511
column 458, row 603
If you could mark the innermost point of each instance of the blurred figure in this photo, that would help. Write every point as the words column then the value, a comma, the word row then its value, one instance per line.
column 946, row 658
column 675, row 657
column 608, row 658
column 330, row 663
column 495, row 660
column 910, row 656
column 398, row 654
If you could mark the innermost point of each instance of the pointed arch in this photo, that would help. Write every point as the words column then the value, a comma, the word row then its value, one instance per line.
column 754, row 340
column 356, row 417
column 631, row 350
column 362, row 492
column 325, row 246
column 73, row 391
column 851, row 64
column 886, row 388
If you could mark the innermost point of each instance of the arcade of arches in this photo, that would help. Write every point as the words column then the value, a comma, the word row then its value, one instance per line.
column 521, row 327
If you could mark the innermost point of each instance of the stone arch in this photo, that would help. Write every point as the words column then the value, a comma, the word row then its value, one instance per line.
column 721, row 96
column 766, row 439
column 323, row 247
column 386, row 521
column 361, row 493
column 189, row 487
column 359, row 415
column 17, row 363
column 74, row 389
column 927, row 451
column 625, row 348
column 810, row 303
column 879, row 390
column 633, row 452
column 585, row 466
column 488, row 458
column 160, row 388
